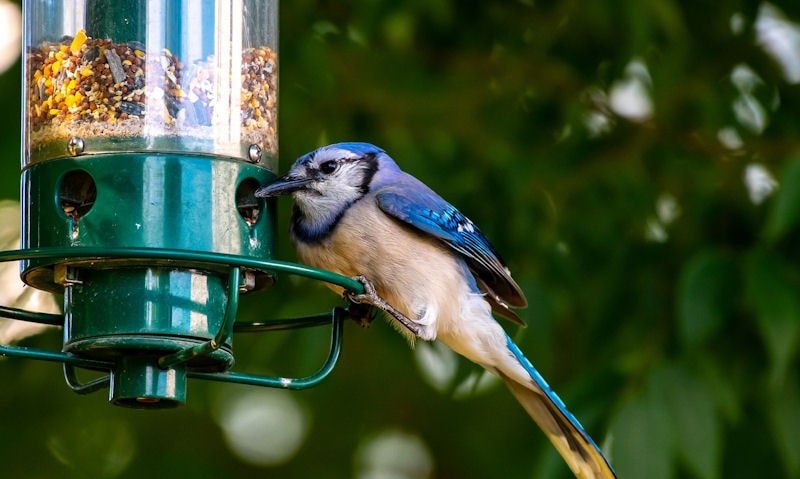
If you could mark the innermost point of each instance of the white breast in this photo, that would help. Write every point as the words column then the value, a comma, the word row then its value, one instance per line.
column 416, row 274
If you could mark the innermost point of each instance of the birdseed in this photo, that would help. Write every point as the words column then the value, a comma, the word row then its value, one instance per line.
column 94, row 88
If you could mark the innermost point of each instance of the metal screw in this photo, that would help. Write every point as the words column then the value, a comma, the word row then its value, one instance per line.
column 65, row 276
column 75, row 146
column 254, row 152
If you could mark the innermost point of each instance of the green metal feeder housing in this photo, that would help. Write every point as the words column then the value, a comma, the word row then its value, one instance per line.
column 148, row 126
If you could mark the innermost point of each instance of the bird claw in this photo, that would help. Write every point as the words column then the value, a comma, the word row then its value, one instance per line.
column 369, row 295
column 361, row 305
column 370, row 298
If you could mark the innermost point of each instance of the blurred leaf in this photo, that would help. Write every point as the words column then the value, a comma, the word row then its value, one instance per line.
column 94, row 447
column 785, row 213
column 784, row 411
column 641, row 439
column 718, row 382
column 675, row 417
column 773, row 295
column 705, row 288
column 694, row 420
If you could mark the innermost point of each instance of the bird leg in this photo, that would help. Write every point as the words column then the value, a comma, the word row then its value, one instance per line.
column 371, row 297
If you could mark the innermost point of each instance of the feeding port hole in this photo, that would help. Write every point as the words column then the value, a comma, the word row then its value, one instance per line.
column 77, row 193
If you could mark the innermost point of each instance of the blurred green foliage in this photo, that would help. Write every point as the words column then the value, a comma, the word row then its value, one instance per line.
column 664, row 291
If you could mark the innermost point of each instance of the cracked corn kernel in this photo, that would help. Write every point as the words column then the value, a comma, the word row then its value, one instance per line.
column 78, row 41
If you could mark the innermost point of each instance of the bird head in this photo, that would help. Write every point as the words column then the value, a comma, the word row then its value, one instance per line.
column 327, row 180
column 339, row 173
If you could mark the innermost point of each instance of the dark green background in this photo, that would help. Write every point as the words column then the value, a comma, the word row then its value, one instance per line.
column 681, row 355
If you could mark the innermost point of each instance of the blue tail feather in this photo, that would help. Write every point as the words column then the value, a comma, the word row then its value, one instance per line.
column 552, row 396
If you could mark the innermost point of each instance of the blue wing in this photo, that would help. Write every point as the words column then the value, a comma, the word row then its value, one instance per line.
column 414, row 203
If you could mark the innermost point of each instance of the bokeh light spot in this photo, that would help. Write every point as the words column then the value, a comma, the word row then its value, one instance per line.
column 11, row 39
column 394, row 454
column 263, row 427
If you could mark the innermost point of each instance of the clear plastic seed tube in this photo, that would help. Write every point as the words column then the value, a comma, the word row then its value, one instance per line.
column 182, row 76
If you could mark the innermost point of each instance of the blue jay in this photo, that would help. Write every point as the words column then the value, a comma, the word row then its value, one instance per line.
column 428, row 266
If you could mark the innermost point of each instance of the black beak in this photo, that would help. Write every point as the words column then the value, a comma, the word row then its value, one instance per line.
column 284, row 185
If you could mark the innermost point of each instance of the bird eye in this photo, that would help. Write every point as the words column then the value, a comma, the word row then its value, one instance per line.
column 328, row 167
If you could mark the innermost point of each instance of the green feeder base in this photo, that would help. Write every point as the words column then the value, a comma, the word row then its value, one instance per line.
column 139, row 382
column 115, row 313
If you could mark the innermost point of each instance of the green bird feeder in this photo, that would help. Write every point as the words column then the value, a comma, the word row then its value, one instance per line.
column 148, row 126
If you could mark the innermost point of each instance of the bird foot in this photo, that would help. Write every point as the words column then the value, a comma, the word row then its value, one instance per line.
column 370, row 297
